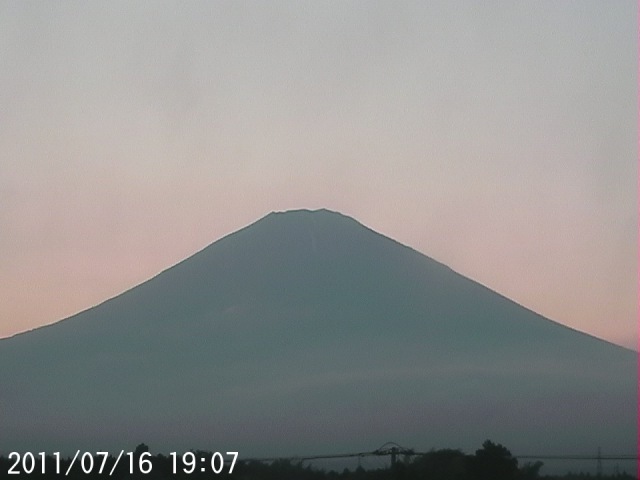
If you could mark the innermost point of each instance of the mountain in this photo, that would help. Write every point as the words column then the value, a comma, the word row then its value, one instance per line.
column 306, row 333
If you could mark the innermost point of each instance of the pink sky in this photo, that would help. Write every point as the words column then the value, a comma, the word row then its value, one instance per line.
column 500, row 141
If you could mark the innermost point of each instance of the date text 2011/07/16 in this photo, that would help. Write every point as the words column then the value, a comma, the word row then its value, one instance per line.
column 102, row 462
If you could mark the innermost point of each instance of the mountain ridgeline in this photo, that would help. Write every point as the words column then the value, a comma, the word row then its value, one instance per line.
column 307, row 332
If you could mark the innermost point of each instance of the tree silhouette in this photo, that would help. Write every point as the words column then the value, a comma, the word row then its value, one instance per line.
column 441, row 465
column 493, row 462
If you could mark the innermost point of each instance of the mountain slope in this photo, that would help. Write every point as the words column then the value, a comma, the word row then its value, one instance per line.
column 307, row 332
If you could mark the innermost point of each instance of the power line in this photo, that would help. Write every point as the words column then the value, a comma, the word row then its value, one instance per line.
column 394, row 449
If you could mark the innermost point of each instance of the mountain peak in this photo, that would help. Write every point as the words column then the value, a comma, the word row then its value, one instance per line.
column 307, row 325
column 321, row 214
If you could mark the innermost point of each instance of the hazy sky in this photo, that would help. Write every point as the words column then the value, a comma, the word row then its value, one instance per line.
column 497, row 137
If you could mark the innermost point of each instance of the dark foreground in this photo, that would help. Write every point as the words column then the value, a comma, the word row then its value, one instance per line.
column 491, row 462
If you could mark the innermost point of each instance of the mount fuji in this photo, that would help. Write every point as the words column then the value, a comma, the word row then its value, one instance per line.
column 307, row 332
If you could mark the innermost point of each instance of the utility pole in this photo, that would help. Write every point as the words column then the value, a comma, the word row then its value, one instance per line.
column 394, row 453
column 599, row 464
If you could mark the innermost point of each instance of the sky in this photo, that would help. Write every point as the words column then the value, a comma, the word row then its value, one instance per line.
column 499, row 138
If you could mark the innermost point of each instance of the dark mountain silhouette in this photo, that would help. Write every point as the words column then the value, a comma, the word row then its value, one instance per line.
column 307, row 332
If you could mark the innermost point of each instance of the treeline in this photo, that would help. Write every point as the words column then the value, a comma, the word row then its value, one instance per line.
column 491, row 462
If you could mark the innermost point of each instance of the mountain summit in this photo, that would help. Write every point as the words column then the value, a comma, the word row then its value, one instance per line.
column 307, row 332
